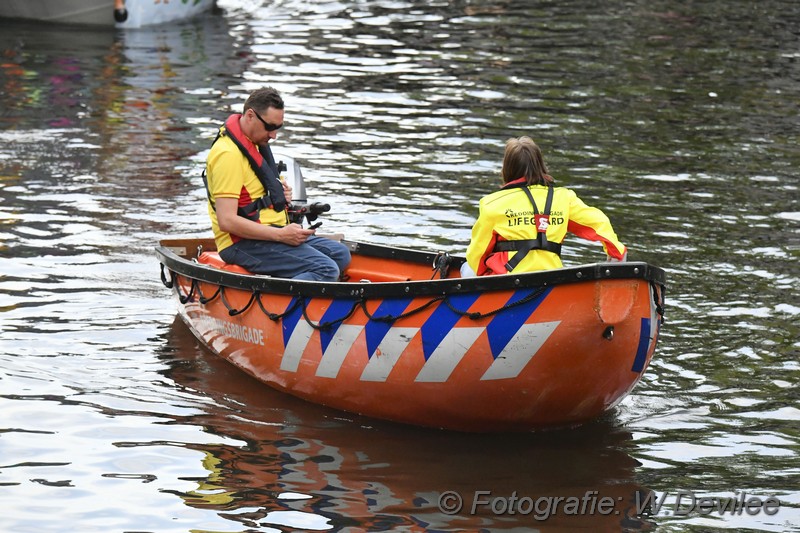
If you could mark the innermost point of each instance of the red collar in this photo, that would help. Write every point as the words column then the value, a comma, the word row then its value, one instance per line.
column 234, row 128
column 516, row 183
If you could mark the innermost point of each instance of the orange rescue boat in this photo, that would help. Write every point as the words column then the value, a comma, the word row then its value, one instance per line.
column 405, row 338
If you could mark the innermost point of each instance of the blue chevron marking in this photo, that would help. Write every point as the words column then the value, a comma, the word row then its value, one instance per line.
column 442, row 321
column 336, row 311
column 376, row 330
column 644, row 344
column 505, row 324
column 289, row 322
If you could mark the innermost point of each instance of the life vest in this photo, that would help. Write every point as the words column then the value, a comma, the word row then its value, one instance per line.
column 263, row 164
column 542, row 221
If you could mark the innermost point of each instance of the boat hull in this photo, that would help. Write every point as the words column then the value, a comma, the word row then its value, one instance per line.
column 101, row 12
column 462, row 354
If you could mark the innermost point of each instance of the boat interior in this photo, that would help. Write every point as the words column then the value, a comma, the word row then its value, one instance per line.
column 370, row 263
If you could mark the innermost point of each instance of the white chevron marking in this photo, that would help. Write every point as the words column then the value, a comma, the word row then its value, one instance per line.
column 448, row 354
column 653, row 320
column 337, row 350
column 520, row 350
column 388, row 352
column 296, row 346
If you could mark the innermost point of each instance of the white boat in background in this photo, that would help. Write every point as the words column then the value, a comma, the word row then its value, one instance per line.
column 119, row 13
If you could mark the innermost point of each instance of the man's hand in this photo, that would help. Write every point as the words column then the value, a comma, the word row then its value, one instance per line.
column 287, row 192
column 295, row 234
column 230, row 221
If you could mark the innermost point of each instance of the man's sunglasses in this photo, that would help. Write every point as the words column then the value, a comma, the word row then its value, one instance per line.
column 267, row 125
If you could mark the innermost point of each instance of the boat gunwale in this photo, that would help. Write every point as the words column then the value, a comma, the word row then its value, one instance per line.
column 438, row 287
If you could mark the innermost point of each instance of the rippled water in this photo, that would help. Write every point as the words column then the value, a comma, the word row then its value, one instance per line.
column 679, row 120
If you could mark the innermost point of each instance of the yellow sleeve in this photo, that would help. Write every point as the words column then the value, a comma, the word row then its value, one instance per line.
column 591, row 223
column 224, row 170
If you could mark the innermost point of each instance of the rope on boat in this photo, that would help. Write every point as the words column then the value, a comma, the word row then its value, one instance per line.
column 327, row 325
column 204, row 300
column 232, row 311
column 658, row 299
column 171, row 282
column 187, row 297
column 441, row 265
column 276, row 316
column 478, row 315
column 392, row 318
column 255, row 297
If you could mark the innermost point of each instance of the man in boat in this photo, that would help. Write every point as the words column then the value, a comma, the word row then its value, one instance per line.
column 520, row 228
column 248, row 202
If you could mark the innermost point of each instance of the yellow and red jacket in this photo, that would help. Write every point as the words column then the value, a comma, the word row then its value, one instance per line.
column 508, row 222
column 237, row 168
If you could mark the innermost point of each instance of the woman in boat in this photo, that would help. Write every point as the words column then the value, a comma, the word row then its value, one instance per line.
column 520, row 228
column 248, row 202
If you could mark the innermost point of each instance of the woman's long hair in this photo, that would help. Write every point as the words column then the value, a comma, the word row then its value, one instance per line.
column 523, row 159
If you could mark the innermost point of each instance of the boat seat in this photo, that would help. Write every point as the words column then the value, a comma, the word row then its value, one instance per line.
column 214, row 260
column 373, row 275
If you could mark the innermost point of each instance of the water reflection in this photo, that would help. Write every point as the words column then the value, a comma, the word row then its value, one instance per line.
column 107, row 142
column 336, row 471
column 66, row 88
column 167, row 77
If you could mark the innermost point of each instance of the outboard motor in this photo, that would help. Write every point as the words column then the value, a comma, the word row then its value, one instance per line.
column 300, row 209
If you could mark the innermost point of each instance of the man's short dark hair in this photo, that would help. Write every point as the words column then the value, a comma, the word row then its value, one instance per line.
column 262, row 99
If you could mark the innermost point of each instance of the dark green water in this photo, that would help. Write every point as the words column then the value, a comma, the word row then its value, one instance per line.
column 679, row 120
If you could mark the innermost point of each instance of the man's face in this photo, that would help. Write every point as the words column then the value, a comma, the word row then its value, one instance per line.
column 265, row 125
